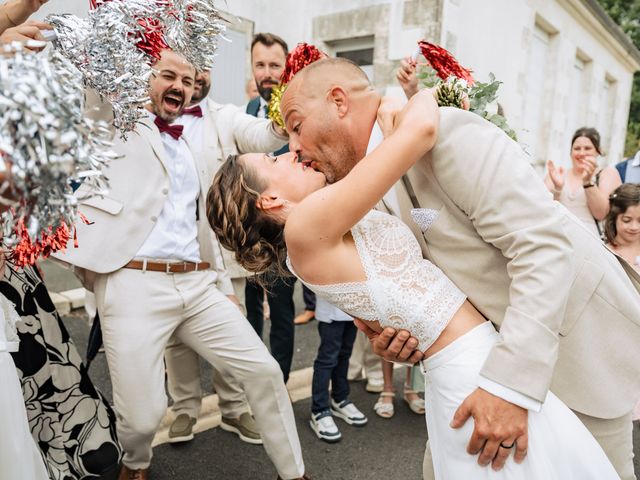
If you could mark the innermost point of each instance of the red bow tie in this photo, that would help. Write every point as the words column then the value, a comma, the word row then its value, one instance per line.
column 195, row 111
column 174, row 130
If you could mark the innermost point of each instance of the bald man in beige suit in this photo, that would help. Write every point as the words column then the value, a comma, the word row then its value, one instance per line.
column 567, row 308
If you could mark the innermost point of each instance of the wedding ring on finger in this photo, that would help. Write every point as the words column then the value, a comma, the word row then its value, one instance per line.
column 508, row 446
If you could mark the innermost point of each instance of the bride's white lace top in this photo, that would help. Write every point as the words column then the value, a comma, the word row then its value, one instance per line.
column 402, row 290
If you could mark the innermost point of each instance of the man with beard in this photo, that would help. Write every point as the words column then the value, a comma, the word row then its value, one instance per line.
column 151, row 255
column 566, row 307
column 214, row 132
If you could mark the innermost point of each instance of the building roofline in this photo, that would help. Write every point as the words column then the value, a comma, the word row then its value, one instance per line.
column 613, row 28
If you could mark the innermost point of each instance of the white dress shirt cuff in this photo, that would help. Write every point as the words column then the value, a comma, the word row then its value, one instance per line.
column 509, row 395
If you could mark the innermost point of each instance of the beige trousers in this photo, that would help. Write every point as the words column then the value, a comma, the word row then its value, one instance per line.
column 183, row 377
column 363, row 361
column 183, row 384
column 615, row 436
column 140, row 312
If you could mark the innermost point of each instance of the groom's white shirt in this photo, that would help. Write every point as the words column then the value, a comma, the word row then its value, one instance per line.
column 392, row 203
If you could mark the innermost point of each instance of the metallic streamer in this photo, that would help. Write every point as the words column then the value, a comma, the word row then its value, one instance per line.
column 46, row 143
column 104, row 47
column 192, row 30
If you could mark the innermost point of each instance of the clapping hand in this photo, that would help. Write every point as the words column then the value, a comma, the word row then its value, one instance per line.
column 589, row 165
column 556, row 174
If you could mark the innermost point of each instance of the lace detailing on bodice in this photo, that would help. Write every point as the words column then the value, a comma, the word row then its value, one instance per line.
column 424, row 217
column 403, row 290
column 8, row 332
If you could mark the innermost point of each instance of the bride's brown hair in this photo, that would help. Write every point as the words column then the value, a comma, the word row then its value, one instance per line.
column 256, row 238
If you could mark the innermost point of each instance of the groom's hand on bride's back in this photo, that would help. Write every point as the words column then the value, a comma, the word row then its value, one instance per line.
column 499, row 428
column 392, row 345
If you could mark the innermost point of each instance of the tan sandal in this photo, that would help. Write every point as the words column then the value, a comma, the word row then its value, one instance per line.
column 385, row 409
column 416, row 405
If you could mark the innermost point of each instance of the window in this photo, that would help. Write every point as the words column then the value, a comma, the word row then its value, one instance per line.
column 229, row 73
column 605, row 111
column 576, row 106
column 534, row 93
column 362, row 57
column 359, row 50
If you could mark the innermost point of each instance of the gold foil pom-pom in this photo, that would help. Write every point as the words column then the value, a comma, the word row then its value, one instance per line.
column 275, row 114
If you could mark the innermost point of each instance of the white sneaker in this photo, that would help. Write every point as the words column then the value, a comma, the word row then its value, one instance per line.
column 374, row 385
column 348, row 412
column 324, row 427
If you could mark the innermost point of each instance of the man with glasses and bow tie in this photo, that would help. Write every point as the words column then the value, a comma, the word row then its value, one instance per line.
column 214, row 132
column 153, row 262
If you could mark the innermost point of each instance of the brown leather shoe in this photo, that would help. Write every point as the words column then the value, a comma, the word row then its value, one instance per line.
column 127, row 474
column 304, row 317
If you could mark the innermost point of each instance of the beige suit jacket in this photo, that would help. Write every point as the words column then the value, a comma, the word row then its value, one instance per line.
column 121, row 221
column 230, row 131
column 568, row 310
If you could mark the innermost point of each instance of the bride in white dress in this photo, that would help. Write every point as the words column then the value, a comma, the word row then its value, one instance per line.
column 369, row 264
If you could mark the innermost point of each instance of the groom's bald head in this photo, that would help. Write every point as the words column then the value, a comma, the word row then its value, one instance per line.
column 321, row 75
column 329, row 108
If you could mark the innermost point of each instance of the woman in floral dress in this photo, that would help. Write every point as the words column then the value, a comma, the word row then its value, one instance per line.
column 71, row 422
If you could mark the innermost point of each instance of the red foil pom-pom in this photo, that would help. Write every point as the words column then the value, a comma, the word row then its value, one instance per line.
column 26, row 252
column 298, row 58
column 444, row 63
column 152, row 41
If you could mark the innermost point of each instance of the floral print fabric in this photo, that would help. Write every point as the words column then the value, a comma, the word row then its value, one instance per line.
column 71, row 422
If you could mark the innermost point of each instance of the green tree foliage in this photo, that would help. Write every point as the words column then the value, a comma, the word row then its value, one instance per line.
column 626, row 13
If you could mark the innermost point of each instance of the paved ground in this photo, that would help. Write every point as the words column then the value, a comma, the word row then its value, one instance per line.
column 382, row 450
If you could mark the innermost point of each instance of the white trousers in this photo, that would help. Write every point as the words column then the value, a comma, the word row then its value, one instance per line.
column 558, row 441
column 140, row 311
column 183, row 377
column 615, row 436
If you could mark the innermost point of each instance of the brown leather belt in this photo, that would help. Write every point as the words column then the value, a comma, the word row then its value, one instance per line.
column 181, row 267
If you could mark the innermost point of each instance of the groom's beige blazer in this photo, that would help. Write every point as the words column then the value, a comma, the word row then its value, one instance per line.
column 568, row 309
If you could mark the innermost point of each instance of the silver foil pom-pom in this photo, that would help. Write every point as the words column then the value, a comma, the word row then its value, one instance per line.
column 46, row 143
column 104, row 48
column 192, row 30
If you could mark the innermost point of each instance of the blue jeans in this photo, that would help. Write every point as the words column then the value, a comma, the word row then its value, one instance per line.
column 332, row 364
column 309, row 299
